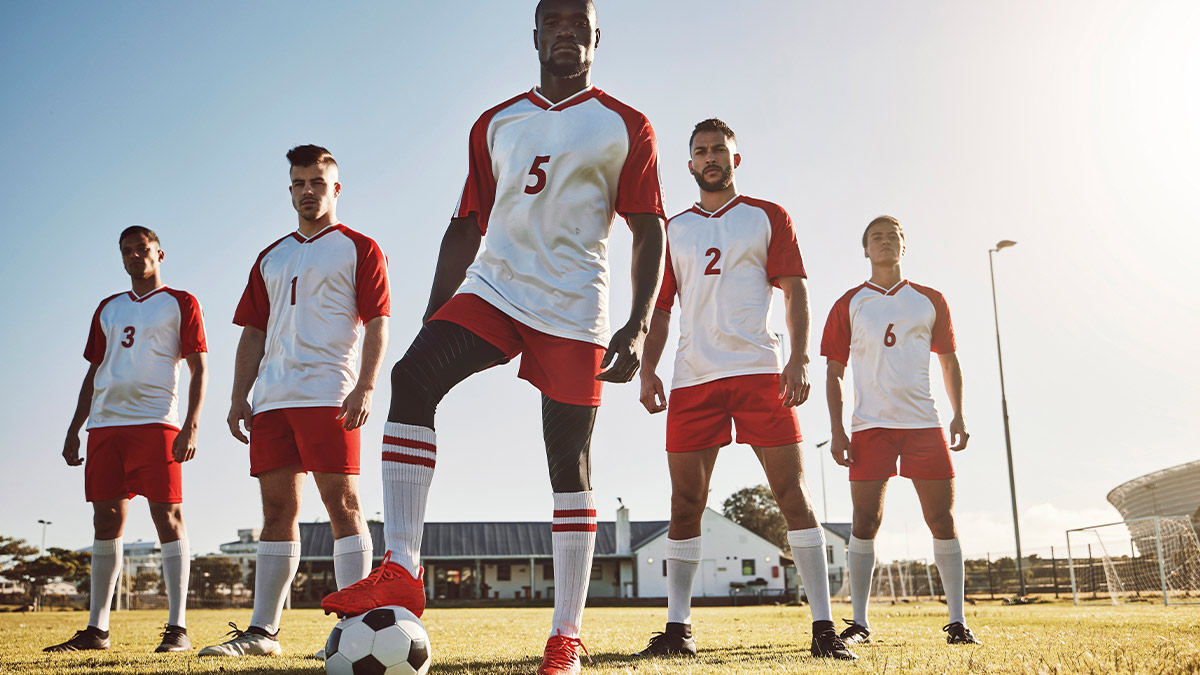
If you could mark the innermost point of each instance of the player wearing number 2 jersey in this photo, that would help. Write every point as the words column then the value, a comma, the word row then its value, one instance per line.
column 724, row 255
column 307, row 295
column 886, row 329
column 136, row 442
column 548, row 170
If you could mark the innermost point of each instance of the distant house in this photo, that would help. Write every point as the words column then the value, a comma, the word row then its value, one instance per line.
column 514, row 560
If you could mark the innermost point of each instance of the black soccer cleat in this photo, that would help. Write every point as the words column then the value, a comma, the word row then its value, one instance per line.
column 174, row 639
column 676, row 640
column 855, row 634
column 88, row 639
column 959, row 634
column 829, row 645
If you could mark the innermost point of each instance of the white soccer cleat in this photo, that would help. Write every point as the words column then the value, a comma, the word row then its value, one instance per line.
column 253, row 641
column 320, row 654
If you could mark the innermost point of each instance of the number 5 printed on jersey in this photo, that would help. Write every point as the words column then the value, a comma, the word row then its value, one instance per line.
column 539, row 175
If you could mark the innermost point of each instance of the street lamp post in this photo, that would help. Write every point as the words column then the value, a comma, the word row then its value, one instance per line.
column 1012, row 484
column 824, row 500
column 44, row 524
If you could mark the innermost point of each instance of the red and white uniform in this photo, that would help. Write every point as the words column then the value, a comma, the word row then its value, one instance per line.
column 138, row 344
column 723, row 265
column 310, row 296
column 889, row 333
column 545, row 180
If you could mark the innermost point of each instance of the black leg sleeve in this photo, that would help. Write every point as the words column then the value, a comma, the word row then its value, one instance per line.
column 567, row 430
column 442, row 355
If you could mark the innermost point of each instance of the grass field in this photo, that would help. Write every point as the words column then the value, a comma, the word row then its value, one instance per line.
column 1044, row 638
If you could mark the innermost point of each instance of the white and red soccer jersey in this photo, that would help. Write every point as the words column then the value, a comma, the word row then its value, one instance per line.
column 889, row 333
column 545, row 181
column 138, row 344
column 310, row 296
column 723, row 265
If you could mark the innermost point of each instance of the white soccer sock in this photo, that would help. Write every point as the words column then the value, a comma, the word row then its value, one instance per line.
column 177, row 567
column 351, row 559
column 274, row 569
column 808, row 549
column 409, row 455
column 574, row 536
column 948, row 555
column 683, row 559
column 106, row 567
column 860, row 564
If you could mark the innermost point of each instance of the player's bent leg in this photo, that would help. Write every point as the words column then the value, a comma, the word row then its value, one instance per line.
column 176, row 556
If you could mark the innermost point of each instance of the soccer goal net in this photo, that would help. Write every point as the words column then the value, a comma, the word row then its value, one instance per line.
column 899, row 581
column 1142, row 560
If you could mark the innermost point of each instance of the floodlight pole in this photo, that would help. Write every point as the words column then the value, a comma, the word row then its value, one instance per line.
column 44, row 524
column 1012, row 484
column 824, row 499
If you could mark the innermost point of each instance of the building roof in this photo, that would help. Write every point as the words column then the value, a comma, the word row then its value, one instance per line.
column 1167, row 492
column 840, row 529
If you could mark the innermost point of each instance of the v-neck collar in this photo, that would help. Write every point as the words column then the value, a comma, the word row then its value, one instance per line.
column 141, row 298
column 886, row 291
column 574, row 99
column 720, row 211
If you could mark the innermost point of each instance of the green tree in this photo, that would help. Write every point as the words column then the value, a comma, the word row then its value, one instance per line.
column 754, row 508
column 143, row 581
column 213, row 572
column 58, row 563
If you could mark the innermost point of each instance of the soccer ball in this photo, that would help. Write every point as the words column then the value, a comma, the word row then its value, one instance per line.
column 384, row 641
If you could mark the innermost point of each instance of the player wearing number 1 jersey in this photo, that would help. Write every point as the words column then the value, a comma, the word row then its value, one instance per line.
column 548, row 171
column 724, row 255
column 886, row 328
column 136, row 441
column 301, row 313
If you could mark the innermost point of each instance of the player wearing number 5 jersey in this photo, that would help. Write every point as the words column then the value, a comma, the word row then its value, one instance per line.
column 547, row 172
column 301, row 313
column 136, row 442
column 886, row 329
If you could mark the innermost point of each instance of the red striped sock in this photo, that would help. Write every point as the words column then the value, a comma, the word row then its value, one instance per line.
column 574, row 536
column 409, row 455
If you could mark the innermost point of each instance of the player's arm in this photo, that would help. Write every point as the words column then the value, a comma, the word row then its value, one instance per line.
column 460, row 245
column 839, row 446
column 184, row 447
column 952, row 375
column 654, row 397
column 625, row 349
column 794, row 383
column 82, row 406
column 250, row 352
column 357, row 406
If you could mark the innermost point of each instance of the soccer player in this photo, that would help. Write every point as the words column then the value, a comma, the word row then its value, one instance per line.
column 724, row 255
column 136, row 444
column 307, row 295
column 888, row 325
column 548, row 170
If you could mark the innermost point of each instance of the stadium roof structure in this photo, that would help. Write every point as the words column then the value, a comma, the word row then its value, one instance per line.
column 1174, row 491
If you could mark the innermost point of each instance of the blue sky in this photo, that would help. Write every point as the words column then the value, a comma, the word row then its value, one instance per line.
column 1068, row 127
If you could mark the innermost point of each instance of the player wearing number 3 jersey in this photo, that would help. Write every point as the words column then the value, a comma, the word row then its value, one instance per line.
column 886, row 329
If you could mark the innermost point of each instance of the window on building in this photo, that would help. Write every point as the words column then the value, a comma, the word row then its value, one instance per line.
column 503, row 572
column 548, row 572
column 829, row 554
column 597, row 571
column 748, row 567
column 664, row 567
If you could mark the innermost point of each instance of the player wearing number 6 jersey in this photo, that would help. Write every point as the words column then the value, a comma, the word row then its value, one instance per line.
column 887, row 327
column 724, row 255
column 136, row 442
column 307, row 296
column 548, row 171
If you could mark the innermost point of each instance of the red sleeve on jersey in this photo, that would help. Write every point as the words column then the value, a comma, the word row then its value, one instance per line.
column 783, row 252
column 479, row 192
column 371, row 289
column 638, row 188
column 254, row 309
column 666, row 294
column 835, row 341
column 97, row 343
column 191, row 324
column 942, row 339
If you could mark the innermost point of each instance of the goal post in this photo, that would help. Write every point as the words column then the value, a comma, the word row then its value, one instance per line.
column 1139, row 560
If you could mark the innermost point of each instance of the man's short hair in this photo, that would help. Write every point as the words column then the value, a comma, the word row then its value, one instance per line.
column 883, row 219
column 711, row 124
column 307, row 155
column 537, row 11
column 138, row 229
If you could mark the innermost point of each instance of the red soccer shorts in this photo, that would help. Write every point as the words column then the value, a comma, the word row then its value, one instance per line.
column 923, row 454
column 700, row 416
column 563, row 369
column 126, row 461
column 310, row 437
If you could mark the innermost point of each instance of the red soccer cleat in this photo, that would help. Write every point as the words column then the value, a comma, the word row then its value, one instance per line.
column 561, row 656
column 388, row 584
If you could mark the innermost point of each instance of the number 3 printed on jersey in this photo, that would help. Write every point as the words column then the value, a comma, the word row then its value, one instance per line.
column 128, row 341
column 539, row 175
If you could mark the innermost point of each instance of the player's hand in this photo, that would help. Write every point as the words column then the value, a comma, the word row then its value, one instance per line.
column 71, row 450
column 794, row 385
column 184, row 447
column 654, row 398
column 839, row 447
column 355, row 409
column 240, row 411
column 624, row 353
column 958, row 433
